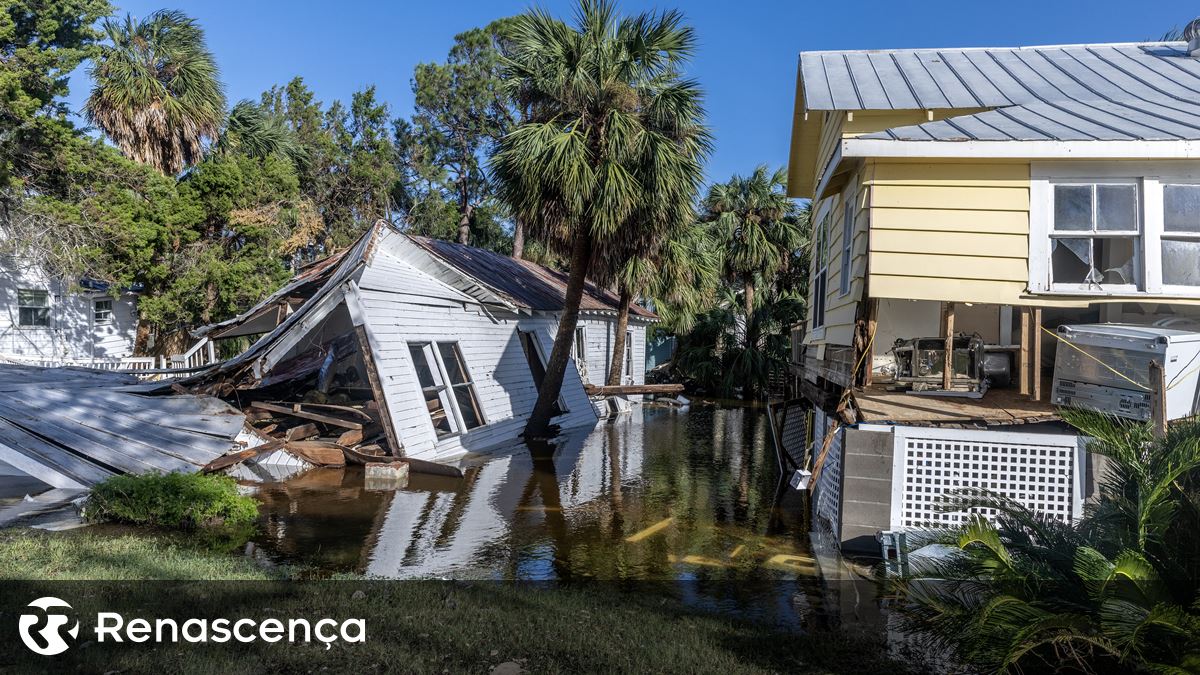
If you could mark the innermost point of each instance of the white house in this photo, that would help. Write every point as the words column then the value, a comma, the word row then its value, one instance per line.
column 47, row 319
column 448, row 341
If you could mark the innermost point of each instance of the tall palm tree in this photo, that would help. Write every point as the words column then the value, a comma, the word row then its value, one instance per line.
column 614, row 143
column 157, row 92
column 254, row 131
column 679, row 275
column 755, row 218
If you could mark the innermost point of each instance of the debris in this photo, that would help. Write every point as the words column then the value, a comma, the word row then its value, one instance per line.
column 386, row 475
column 302, row 432
column 320, row 453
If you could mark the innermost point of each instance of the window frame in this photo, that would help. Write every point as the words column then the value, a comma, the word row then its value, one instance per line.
column 1150, row 177
column 849, row 215
column 819, row 279
column 529, row 339
column 1174, row 235
column 1137, row 234
column 107, row 320
column 627, row 364
column 443, row 383
column 23, row 306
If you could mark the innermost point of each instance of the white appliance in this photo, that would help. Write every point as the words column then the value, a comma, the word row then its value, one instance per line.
column 1082, row 380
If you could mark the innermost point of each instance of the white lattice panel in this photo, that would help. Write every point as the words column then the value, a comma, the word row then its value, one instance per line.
column 829, row 483
column 1041, row 471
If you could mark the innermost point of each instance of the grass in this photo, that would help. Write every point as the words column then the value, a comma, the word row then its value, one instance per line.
column 413, row 626
column 182, row 501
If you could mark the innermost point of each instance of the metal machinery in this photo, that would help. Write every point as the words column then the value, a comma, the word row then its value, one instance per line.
column 920, row 362
column 1106, row 367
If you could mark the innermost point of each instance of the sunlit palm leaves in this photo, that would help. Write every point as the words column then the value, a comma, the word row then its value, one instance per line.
column 157, row 93
column 253, row 131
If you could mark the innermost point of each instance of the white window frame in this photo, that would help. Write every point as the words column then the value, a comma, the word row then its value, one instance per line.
column 48, row 307
column 107, row 319
column 849, row 214
column 430, row 349
column 1174, row 289
column 820, row 267
column 1150, row 178
column 580, row 346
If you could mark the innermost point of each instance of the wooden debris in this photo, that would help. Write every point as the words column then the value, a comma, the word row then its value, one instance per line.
column 320, row 453
column 302, row 432
column 232, row 458
column 351, row 438
column 296, row 410
column 632, row 389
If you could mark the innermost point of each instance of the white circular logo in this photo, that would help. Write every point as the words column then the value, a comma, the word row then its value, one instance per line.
column 51, row 641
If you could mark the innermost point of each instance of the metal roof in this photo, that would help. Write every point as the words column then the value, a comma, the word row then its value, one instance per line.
column 1135, row 91
column 522, row 283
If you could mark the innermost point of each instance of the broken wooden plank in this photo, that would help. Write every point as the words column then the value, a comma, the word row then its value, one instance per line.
column 632, row 389
column 232, row 458
column 351, row 437
column 321, row 453
column 302, row 432
column 315, row 417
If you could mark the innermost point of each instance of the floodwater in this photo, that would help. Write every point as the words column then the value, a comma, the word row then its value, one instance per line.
column 660, row 494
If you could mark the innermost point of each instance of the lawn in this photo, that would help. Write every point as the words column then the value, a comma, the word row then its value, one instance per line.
column 413, row 626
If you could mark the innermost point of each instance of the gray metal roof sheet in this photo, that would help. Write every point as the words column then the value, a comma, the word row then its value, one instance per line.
column 1135, row 91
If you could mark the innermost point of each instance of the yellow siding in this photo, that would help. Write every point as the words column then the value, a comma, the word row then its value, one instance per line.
column 841, row 310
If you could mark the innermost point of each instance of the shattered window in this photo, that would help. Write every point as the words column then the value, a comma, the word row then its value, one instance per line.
column 1181, row 235
column 1096, row 237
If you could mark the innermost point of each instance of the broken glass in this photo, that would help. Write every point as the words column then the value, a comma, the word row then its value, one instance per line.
column 1114, row 257
column 1181, row 262
column 1071, row 260
column 1103, row 260
column 1181, row 209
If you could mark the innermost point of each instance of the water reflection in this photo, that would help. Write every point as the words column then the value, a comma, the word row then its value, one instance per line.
column 660, row 494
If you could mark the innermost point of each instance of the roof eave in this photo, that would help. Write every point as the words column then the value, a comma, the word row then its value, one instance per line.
column 1013, row 149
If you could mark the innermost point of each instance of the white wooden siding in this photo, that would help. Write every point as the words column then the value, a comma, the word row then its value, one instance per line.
column 72, row 332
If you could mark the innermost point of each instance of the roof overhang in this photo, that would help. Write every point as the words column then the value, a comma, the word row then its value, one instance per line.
column 806, row 136
column 872, row 147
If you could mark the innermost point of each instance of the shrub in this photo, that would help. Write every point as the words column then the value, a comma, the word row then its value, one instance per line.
column 185, row 501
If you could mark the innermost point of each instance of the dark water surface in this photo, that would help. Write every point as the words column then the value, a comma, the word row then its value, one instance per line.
column 660, row 495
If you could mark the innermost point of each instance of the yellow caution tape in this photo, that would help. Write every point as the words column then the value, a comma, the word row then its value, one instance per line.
column 1079, row 349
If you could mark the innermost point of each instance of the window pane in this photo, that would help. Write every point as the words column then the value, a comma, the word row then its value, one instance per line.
column 422, row 366
column 1070, row 260
column 1116, row 207
column 468, row 406
column 1181, row 262
column 33, row 316
column 435, row 403
column 452, row 359
column 580, row 346
column 1072, row 207
column 32, row 298
column 1114, row 260
column 1181, row 208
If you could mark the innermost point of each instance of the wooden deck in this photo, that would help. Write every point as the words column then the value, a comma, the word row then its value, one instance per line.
column 998, row 406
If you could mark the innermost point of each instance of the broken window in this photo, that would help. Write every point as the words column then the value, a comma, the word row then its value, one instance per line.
column 33, row 307
column 1095, row 238
column 447, row 387
column 1181, row 235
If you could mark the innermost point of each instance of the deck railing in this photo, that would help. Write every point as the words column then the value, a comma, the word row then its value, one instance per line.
column 199, row 356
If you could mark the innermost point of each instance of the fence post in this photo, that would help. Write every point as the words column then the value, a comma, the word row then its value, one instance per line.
column 212, row 351
column 1158, row 399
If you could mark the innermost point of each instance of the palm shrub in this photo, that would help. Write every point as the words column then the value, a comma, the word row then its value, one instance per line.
column 1119, row 590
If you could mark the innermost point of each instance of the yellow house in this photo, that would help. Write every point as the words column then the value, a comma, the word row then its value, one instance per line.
column 990, row 192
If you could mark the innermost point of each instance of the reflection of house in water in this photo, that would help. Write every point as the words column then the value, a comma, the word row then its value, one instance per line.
column 443, row 533
column 450, row 342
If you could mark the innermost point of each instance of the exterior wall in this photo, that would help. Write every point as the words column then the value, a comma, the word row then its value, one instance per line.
column 72, row 332
column 599, row 334
column 403, row 305
column 841, row 308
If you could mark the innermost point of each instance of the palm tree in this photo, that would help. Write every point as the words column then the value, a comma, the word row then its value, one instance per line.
column 157, row 93
column 253, row 131
column 614, row 144
column 756, row 220
column 1117, row 591
column 679, row 276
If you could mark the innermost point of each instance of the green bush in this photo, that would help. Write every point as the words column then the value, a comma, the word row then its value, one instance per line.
column 185, row 501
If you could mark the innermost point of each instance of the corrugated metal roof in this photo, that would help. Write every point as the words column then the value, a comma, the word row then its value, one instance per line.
column 1142, row 91
column 522, row 283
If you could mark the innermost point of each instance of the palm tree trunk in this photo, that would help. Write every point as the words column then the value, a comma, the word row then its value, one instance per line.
column 618, row 354
column 581, row 259
column 518, row 239
column 748, row 389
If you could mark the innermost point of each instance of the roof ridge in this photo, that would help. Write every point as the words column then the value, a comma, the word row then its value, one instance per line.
column 1079, row 45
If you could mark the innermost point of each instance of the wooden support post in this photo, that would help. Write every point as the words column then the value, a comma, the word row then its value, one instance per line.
column 1023, row 358
column 872, row 326
column 376, row 382
column 948, row 335
column 1158, row 399
column 1035, row 365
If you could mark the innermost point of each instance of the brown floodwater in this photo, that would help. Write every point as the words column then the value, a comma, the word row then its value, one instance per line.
column 660, row 494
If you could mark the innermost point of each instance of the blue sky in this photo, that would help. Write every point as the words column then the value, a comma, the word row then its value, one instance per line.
column 746, row 61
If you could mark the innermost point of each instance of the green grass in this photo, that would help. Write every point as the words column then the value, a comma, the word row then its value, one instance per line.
column 413, row 626
column 183, row 501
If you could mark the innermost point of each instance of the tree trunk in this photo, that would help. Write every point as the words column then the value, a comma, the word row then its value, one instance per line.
column 519, row 240
column 748, row 387
column 618, row 355
column 581, row 258
column 464, row 225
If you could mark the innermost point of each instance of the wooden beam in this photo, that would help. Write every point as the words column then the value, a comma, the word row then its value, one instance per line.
column 294, row 411
column 302, row 432
column 385, row 417
column 948, row 345
column 630, row 389
column 1023, row 356
column 1035, row 365
column 1158, row 400
column 241, row 456
column 872, row 327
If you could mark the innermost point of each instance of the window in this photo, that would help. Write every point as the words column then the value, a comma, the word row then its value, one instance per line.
column 446, row 384
column 1181, row 235
column 33, row 307
column 629, row 353
column 820, row 271
column 580, row 346
column 1115, row 228
column 847, row 241
column 102, row 311
column 537, row 367
column 1095, row 239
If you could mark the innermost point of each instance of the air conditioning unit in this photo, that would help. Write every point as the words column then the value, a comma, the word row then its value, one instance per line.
column 1082, row 380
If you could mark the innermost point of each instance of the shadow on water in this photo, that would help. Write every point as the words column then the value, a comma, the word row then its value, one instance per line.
column 682, row 498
